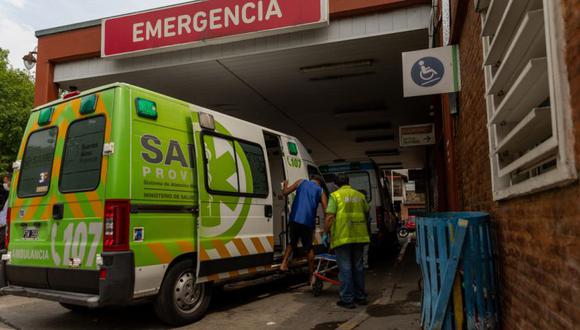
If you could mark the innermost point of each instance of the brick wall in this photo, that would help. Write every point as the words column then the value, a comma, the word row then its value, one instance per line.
column 537, row 237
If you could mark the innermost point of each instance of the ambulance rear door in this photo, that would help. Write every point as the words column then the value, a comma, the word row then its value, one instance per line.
column 58, row 199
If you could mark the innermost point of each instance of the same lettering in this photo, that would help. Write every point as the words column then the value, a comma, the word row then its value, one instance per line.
column 201, row 21
column 153, row 154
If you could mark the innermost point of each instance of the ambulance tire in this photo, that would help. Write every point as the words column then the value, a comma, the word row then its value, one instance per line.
column 180, row 300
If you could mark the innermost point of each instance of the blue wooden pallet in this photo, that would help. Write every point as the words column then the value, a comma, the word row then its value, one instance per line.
column 450, row 246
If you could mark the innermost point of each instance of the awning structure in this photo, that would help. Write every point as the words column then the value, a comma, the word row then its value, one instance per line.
column 337, row 88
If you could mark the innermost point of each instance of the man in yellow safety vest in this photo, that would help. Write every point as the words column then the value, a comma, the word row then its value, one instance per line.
column 346, row 220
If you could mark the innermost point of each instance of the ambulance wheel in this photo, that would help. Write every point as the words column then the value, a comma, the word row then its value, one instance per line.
column 180, row 300
column 317, row 287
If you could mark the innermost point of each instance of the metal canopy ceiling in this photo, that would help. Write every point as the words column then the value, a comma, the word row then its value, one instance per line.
column 343, row 100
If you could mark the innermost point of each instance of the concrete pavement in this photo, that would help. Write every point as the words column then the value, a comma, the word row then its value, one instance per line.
column 275, row 303
column 399, row 307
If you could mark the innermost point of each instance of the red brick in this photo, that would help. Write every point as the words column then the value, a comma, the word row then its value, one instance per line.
column 536, row 236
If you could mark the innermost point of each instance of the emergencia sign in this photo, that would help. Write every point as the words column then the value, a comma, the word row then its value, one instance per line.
column 208, row 22
column 431, row 71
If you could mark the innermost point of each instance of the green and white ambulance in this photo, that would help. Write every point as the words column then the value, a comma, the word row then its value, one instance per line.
column 122, row 195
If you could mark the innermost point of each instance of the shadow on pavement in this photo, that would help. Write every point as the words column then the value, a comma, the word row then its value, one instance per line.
column 42, row 314
column 228, row 300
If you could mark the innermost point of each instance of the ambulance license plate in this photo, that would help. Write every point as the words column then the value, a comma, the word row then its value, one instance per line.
column 31, row 233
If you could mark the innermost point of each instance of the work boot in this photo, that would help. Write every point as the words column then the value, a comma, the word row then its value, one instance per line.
column 346, row 305
column 361, row 302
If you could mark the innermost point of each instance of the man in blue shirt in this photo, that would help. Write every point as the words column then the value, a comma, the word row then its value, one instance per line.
column 309, row 194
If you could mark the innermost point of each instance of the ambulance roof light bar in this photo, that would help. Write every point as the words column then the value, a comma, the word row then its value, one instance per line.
column 70, row 95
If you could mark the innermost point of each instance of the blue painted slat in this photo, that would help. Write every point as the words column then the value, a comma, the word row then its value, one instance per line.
column 485, row 283
column 417, row 255
column 442, row 260
column 442, row 300
column 429, row 277
column 420, row 250
column 468, row 287
column 477, row 262
column 426, row 308
column 490, row 275
column 491, row 299
column 494, row 310
column 432, row 266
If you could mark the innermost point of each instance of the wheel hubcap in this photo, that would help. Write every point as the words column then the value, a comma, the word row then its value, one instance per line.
column 187, row 294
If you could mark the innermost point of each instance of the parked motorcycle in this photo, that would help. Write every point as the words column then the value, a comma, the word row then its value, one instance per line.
column 407, row 229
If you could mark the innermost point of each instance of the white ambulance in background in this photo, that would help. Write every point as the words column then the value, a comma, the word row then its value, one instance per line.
column 364, row 176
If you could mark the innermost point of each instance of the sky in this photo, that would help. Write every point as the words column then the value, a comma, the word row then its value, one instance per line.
column 19, row 19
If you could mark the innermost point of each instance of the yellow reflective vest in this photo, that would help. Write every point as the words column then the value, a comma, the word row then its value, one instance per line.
column 350, row 224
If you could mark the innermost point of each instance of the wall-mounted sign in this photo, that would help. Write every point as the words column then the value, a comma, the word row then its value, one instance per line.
column 416, row 135
column 208, row 22
column 431, row 71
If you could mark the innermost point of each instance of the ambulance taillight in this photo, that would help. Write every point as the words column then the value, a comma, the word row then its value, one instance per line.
column 8, row 220
column 116, row 225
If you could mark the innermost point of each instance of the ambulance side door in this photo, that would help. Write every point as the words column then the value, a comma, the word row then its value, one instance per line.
column 234, row 225
column 298, row 168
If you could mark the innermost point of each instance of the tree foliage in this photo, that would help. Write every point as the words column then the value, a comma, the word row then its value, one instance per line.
column 16, row 101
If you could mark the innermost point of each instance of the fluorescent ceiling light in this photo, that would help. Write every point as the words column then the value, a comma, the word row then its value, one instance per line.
column 336, row 66
column 382, row 152
column 359, row 110
column 342, row 76
column 369, row 127
column 363, row 139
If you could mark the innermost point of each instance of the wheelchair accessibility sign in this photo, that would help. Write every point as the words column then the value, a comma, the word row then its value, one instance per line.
column 431, row 71
column 427, row 71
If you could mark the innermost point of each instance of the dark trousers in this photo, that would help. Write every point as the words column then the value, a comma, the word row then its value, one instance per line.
column 2, row 237
column 349, row 258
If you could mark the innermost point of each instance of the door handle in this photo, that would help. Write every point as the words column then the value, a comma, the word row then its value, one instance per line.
column 195, row 210
column 268, row 211
column 58, row 211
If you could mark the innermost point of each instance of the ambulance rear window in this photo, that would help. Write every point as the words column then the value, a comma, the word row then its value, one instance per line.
column 36, row 169
column 361, row 181
column 83, row 152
